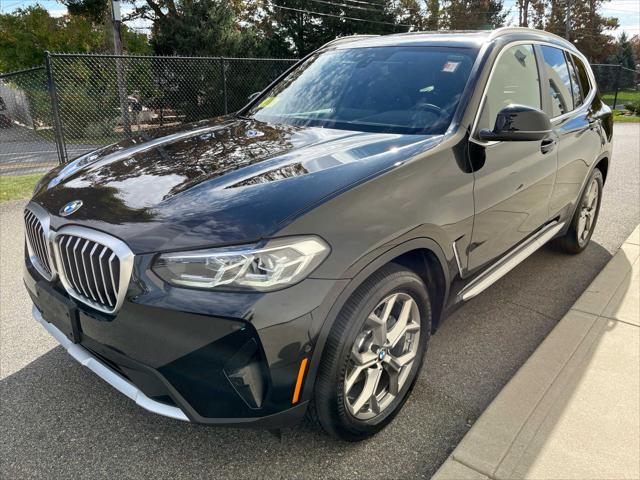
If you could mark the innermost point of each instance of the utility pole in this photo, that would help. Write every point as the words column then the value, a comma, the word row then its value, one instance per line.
column 116, row 21
column 567, row 25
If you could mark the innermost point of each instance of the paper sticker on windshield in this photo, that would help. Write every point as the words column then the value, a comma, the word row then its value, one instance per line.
column 450, row 67
column 268, row 102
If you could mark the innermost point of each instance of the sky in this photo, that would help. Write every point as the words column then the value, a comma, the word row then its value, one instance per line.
column 627, row 12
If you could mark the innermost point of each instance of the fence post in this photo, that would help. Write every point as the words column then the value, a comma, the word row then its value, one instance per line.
column 121, row 80
column 57, row 122
column 615, row 96
column 223, row 74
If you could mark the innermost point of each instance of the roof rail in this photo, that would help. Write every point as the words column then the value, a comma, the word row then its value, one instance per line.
column 437, row 32
column 505, row 30
column 348, row 38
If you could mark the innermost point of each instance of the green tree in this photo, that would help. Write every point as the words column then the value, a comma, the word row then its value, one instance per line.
column 28, row 33
column 625, row 57
column 416, row 13
column 587, row 28
column 473, row 14
column 433, row 12
column 94, row 10
column 198, row 27
column 297, row 27
column 531, row 13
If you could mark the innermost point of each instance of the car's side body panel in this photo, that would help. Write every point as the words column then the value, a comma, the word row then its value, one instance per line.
column 512, row 191
column 370, row 218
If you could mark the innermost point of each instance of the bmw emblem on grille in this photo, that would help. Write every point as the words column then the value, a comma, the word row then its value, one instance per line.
column 70, row 208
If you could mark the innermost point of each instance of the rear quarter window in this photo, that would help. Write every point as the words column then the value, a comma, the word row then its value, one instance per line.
column 576, row 86
column 583, row 76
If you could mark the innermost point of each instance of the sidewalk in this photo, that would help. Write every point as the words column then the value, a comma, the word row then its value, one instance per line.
column 573, row 410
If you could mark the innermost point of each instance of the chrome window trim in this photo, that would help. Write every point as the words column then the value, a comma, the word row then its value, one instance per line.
column 117, row 246
column 43, row 217
column 555, row 120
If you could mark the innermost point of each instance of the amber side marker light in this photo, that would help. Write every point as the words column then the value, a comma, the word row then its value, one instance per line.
column 296, row 392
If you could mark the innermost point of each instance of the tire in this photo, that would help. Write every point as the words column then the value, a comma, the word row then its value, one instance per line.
column 354, row 335
column 579, row 235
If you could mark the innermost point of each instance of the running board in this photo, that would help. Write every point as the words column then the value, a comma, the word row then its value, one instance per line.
column 510, row 261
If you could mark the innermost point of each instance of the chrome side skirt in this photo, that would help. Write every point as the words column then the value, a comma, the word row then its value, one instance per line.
column 118, row 382
column 510, row 261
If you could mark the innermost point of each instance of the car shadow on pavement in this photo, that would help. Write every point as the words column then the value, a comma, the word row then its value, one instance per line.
column 59, row 420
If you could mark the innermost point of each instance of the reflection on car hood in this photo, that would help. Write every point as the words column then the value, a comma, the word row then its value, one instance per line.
column 229, row 180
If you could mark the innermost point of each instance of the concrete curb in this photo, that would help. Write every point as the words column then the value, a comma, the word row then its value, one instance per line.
column 572, row 410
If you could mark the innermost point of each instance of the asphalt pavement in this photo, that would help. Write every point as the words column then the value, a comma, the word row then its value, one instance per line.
column 24, row 151
column 58, row 420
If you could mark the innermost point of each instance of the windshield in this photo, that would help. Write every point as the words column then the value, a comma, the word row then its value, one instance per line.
column 407, row 90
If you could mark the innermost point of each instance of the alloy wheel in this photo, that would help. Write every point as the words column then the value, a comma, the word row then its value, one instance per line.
column 588, row 211
column 382, row 356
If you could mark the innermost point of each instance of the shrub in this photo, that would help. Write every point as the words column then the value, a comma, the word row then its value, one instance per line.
column 633, row 107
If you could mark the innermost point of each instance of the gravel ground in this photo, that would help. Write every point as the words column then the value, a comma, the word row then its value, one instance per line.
column 58, row 420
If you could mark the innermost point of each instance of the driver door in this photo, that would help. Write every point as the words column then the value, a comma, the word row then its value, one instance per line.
column 513, row 179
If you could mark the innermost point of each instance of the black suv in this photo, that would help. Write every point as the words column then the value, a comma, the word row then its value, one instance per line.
column 296, row 256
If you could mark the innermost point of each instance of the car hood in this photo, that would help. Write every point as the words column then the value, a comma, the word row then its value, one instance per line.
column 225, row 181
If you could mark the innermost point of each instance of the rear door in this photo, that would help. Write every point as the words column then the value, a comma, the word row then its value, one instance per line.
column 579, row 130
column 513, row 180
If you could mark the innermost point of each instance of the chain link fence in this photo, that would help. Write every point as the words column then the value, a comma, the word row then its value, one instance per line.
column 76, row 103
column 27, row 139
column 619, row 86
column 82, row 102
column 104, row 98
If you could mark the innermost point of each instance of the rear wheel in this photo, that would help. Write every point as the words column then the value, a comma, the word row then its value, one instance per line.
column 373, row 354
column 584, row 219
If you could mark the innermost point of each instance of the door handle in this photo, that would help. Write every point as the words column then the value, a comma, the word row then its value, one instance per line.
column 548, row 145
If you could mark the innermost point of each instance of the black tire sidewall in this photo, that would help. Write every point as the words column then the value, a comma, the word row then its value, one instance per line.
column 330, row 404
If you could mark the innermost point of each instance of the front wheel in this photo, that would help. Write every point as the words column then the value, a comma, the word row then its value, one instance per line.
column 373, row 354
column 584, row 220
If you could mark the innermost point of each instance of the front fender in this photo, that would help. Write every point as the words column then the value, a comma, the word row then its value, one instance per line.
column 326, row 314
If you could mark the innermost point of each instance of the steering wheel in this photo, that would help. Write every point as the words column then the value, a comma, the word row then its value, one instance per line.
column 430, row 107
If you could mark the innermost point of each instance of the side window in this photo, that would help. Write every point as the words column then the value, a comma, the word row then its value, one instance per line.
column 575, row 83
column 559, row 87
column 583, row 76
column 515, row 80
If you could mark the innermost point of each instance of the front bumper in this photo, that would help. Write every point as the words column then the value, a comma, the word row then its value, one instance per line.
column 86, row 359
column 182, row 355
column 151, row 390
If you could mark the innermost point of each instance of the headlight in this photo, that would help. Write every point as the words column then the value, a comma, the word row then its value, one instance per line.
column 279, row 263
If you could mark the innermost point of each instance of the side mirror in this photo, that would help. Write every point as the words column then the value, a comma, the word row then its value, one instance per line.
column 518, row 123
column 253, row 96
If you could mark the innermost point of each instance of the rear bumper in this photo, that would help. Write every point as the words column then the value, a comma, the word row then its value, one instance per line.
column 86, row 359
